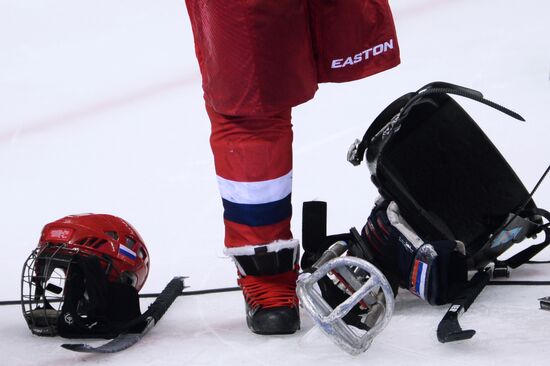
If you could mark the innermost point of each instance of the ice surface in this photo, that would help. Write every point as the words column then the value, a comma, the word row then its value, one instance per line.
column 101, row 111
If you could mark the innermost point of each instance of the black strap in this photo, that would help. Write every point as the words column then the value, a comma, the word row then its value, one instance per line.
column 413, row 99
column 440, row 87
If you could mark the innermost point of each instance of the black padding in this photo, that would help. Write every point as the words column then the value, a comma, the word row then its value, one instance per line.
column 264, row 263
column 105, row 309
column 314, row 233
column 448, row 274
column 314, row 224
column 448, row 179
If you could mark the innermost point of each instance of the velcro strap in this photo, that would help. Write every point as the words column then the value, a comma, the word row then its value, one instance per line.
column 266, row 260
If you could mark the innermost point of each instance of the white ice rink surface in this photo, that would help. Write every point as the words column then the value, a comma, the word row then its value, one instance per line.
column 101, row 111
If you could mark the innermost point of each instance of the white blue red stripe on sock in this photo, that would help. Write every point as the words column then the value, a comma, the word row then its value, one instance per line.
column 256, row 212
column 257, row 203
column 256, row 192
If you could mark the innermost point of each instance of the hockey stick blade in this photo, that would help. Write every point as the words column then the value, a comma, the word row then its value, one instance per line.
column 151, row 317
column 449, row 329
column 120, row 343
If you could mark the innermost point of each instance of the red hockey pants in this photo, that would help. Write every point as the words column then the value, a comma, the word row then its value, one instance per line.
column 258, row 59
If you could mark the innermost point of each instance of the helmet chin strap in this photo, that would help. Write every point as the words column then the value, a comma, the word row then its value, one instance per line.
column 369, row 289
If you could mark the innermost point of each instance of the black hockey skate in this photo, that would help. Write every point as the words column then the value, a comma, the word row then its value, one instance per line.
column 271, row 303
column 266, row 321
column 267, row 277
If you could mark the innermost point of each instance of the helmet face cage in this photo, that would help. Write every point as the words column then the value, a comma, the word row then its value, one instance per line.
column 45, row 274
column 42, row 287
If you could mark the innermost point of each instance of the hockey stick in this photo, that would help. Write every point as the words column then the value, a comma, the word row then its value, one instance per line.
column 146, row 322
column 449, row 329
column 197, row 292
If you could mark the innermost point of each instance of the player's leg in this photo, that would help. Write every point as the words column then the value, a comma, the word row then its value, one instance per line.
column 253, row 161
column 256, row 62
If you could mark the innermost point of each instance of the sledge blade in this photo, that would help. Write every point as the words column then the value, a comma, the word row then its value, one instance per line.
column 449, row 329
column 458, row 336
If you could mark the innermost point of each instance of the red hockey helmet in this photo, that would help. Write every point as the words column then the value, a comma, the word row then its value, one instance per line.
column 106, row 236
